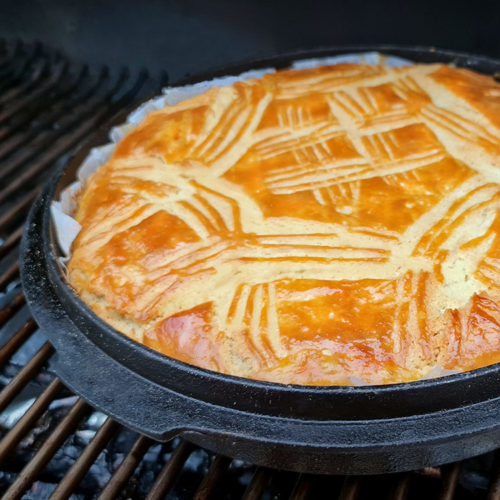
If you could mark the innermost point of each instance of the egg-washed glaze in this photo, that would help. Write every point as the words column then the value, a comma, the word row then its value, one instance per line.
column 306, row 227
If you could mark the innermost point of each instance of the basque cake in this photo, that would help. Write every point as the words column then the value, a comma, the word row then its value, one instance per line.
column 321, row 226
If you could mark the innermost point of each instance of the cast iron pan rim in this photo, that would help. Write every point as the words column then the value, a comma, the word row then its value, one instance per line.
column 464, row 59
column 101, row 137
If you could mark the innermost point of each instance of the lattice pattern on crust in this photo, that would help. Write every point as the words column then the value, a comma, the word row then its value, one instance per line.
column 307, row 227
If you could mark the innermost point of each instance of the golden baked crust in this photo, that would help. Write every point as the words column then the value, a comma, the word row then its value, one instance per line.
column 307, row 227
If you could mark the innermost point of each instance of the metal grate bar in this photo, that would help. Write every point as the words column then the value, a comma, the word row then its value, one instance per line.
column 43, row 89
column 83, row 105
column 302, row 488
column 169, row 473
column 39, row 118
column 11, row 390
column 60, row 100
column 38, row 73
column 11, row 240
column 350, row 488
column 126, row 468
column 450, row 474
column 82, row 465
column 29, row 56
column 62, row 145
column 80, row 103
column 258, row 484
column 8, row 311
column 402, row 486
column 212, row 479
column 28, row 420
column 494, row 489
column 18, row 209
column 14, row 58
column 119, row 101
column 47, row 451
column 16, row 74
column 13, row 344
column 9, row 274
column 58, row 109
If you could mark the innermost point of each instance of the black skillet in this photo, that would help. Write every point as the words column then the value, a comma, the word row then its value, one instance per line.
column 341, row 430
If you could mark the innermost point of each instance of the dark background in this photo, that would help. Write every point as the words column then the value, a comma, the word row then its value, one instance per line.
column 186, row 36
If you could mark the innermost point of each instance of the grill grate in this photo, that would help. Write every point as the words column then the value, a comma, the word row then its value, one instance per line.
column 47, row 107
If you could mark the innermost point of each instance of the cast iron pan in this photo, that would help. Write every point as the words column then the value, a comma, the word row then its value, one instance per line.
column 342, row 430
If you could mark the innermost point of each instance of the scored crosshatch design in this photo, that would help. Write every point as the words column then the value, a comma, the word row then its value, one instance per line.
column 307, row 227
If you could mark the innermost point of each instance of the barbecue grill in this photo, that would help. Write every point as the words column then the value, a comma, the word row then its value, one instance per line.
column 54, row 443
